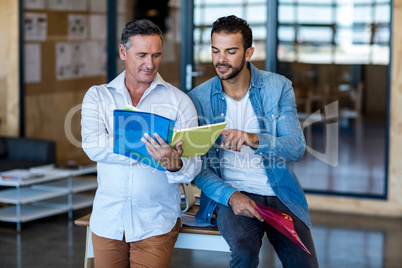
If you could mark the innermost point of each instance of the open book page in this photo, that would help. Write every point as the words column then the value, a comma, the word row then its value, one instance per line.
column 197, row 140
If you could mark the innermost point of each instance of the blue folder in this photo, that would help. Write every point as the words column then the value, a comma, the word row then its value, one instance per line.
column 129, row 128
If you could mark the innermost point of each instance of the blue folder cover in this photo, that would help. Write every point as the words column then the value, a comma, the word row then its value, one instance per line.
column 129, row 128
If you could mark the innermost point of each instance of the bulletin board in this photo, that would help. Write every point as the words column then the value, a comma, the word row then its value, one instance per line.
column 64, row 45
column 64, row 55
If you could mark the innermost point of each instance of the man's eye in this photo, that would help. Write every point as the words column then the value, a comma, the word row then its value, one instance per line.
column 215, row 51
column 141, row 55
column 231, row 52
column 157, row 55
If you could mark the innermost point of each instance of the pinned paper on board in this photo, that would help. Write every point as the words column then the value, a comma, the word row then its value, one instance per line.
column 97, row 26
column 58, row 4
column 77, row 27
column 98, row 5
column 35, row 26
column 34, row 4
column 79, row 56
column 70, row 60
column 67, row 5
column 63, row 61
column 97, row 56
column 32, row 63
column 77, row 5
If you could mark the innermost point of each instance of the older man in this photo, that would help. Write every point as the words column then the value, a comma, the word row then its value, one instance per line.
column 136, row 213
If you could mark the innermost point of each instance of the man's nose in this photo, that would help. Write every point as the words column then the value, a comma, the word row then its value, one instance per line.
column 222, row 58
column 149, row 62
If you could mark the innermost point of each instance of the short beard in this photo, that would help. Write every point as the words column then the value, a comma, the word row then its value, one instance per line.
column 235, row 70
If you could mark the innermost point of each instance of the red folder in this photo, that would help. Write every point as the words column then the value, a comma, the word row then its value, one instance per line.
column 281, row 222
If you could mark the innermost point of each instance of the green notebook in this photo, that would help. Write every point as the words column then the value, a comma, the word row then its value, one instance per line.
column 197, row 140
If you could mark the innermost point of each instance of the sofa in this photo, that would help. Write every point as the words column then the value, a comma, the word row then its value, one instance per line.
column 25, row 152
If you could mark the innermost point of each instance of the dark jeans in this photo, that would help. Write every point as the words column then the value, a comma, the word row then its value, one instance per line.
column 244, row 236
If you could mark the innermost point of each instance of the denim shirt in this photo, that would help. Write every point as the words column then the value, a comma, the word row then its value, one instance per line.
column 281, row 141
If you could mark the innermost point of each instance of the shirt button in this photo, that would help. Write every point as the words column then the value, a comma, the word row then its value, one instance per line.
column 223, row 98
column 209, row 215
column 217, row 150
column 222, row 114
column 273, row 116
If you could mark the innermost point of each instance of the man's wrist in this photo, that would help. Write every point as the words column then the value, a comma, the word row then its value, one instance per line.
column 231, row 197
column 176, row 167
column 254, row 140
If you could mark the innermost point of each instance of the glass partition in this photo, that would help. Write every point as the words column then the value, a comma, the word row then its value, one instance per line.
column 206, row 12
column 337, row 54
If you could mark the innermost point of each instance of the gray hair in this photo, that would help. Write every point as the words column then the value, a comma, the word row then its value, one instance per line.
column 142, row 27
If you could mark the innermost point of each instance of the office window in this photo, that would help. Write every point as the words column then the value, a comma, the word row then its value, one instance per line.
column 207, row 11
column 337, row 54
column 340, row 31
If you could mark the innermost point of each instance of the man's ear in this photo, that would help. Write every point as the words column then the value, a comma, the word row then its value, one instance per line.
column 122, row 52
column 249, row 53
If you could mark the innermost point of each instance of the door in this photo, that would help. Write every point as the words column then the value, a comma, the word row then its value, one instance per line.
column 198, row 17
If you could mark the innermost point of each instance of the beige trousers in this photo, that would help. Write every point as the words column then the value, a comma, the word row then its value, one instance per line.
column 153, row 252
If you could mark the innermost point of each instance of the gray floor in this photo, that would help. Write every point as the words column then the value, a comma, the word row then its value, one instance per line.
column 341, row 241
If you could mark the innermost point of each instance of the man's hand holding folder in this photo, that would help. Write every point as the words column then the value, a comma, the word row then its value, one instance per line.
column 163, row 153
column 130, row 127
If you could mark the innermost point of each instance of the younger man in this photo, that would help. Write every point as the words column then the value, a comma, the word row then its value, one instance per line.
column 252, row 164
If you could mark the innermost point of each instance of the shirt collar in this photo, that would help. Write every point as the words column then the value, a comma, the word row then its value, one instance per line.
column 158, row 81
column 118, row 83
column 120, row 86
column 256, row 77
column 255, row 81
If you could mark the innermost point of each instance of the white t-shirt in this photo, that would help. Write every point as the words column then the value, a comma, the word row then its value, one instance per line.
column 244, row 170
